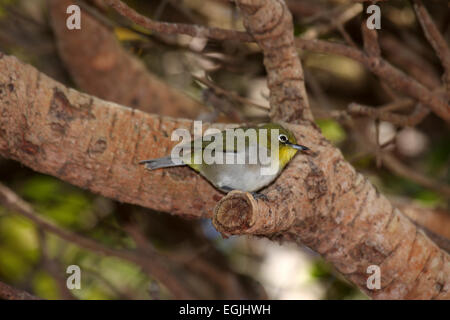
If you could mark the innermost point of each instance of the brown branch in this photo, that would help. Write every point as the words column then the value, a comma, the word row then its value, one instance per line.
column 436, row 39
column 309, row 204
column 52, row 266
column 442, row 242
column 437, row 220
column 410, row 61
column 95, row 144
column 153, row 266
column 178, row 28
column 102, row 67
column 370, row 40
column 317, row 200
column 375, row 231
column 270, row 22
column 397, row 105
column 10, row 293
column 229, row 94
column 411, row 120
column 434, row 222
column 377, row 65
column 391, row 75
column 400, row 169
column 337, row 17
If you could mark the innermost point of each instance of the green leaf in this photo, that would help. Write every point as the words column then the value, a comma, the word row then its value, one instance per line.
column 332, row 130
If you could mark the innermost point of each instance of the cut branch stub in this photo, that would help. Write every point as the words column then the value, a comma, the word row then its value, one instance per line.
column 233, row 213
column 240, row 213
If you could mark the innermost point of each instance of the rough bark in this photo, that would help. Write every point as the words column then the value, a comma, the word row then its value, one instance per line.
column 436, row 220
column 270, row 23
column 319, row 200
column 94, row 144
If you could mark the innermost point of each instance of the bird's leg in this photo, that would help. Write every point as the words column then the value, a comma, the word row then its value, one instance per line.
column 258, row 195
column 255, row 195
column 226, row 189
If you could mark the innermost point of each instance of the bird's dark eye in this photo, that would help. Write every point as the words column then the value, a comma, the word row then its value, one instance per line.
column 282, row 138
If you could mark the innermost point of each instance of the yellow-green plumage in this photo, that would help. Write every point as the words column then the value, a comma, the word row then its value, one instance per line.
column 245, row 177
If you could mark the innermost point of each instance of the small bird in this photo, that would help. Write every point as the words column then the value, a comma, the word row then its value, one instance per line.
column 237, row 176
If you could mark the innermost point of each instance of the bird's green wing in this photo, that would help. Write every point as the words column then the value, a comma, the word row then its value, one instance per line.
column 230, row 147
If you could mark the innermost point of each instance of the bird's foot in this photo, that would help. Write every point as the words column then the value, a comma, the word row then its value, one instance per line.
column 261, row 196
column 255, row 195
column 226, row 189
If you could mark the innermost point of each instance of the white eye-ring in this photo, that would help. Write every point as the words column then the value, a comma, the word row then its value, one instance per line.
column 283, row 138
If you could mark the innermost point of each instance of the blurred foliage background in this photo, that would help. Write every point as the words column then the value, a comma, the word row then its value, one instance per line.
column 35, row 260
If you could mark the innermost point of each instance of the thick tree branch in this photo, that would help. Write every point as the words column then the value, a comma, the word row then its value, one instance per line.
column 350, row 224
column 270, row 23
column 319, row 199
column 436, row 220
column 95, row 144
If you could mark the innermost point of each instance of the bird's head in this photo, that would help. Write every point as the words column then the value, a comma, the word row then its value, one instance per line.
column 288, row 146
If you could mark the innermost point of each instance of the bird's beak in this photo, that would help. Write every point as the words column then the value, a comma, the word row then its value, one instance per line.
column 297, row 146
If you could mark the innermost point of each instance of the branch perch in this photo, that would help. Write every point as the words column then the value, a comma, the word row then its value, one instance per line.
column 319, row 200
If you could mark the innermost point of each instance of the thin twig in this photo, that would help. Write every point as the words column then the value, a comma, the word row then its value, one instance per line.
column 229, row 94
column 397, row 105
column 400, row 169
column 411, row 120
column 96, row 14
column 178, row 28
column 370, row 40
column 377, row 143
column 53, row 267
column 436, row 40
column 383, row 69
column 336, row 19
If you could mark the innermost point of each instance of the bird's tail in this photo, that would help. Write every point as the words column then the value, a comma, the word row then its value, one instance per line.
column 165, row 162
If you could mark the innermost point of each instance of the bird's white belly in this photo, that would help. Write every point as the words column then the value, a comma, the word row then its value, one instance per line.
column 245, row 177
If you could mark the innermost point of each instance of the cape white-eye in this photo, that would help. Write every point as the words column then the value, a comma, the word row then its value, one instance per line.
column 249, row 176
